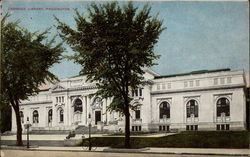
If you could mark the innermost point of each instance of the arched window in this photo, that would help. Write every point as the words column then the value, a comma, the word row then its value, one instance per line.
column 223, row 107
column 50, row 116
column 35, row 117
column 61, row 115
column 164, row 110
column 192, row 108
column 138, row 112
column 21, row 117
column 78, row 105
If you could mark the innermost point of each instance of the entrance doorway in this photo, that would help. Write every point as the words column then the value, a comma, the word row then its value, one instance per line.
column 97, row 117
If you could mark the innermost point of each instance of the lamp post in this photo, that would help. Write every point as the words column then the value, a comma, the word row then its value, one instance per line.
column 89, row 120
column 27, row 126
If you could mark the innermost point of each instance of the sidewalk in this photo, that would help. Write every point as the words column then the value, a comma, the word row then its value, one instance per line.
column 78, row 136
column 185, row 151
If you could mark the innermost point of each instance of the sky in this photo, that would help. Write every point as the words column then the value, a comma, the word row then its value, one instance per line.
column 199, row 35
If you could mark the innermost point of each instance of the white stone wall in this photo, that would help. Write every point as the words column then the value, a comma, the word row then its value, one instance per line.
column 205, row 88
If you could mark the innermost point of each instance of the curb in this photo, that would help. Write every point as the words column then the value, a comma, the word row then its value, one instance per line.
column 122, row 151
column 119, row 150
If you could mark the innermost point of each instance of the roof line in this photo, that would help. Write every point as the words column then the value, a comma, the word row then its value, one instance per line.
column 193, row 73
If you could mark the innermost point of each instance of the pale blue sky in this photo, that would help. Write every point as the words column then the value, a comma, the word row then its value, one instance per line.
column 199, row 35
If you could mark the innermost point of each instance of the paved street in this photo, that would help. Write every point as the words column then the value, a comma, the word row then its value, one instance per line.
column 23, row 153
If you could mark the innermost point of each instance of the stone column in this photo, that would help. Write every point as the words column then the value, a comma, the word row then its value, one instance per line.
column 67, row 102
column 69, row 108
column 54, row 115
column 86, row 110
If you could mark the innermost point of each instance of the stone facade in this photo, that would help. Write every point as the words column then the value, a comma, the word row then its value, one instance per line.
column 204, row 100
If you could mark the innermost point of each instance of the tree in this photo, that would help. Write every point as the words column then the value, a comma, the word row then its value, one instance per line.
column 25, row 62
column 113, row 44
column 5, row 116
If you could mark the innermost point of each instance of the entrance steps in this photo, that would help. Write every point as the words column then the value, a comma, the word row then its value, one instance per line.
column 81, row 129
column 94, row 130
column 50, row 130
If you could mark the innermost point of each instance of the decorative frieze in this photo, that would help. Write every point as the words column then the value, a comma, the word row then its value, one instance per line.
column 36, row 102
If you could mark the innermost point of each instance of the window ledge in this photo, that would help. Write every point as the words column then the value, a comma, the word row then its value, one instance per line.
column 138, row 119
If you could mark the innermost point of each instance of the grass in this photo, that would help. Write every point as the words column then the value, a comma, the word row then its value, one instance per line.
column 131, row 133
column 197, row 139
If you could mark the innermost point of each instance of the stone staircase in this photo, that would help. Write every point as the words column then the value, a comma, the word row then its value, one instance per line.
column 52, row 130
column 94, row 130
column 81, row 129
column 49, row 132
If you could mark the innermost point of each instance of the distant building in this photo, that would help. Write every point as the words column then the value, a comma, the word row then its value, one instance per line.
column 201, row 100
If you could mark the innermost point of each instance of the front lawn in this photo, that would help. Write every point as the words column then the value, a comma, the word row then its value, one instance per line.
column 195, row 139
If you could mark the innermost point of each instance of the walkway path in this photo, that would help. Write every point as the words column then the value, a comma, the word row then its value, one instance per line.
column 184, row 151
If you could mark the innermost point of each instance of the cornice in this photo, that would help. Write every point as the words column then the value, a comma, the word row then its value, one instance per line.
column 196, row 89
column 36, row 102
column 74, row 89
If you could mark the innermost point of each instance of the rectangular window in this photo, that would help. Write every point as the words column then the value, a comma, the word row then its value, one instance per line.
column 136, row 92
column 222, row 127
column 158, row 87
column 163, row 128
column 139, row 128
column 217, row 127
column 167, row 127
column 57, row 99
column 191, row 83
column 187, row 127
column 229, row 80
column 197, row 82
column 222, row 80
column 140, row 91
column 185, row 84
column 63, row 99
column 160, row 128
column 169, row 85
column 137, row 114
column 163, row 86
column 136, row 128
column 196, row 127
column 192, row 127
column 215, row 81
column 133, row 128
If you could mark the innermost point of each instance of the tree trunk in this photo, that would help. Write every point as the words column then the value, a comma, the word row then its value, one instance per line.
column 127, row 125
column 19, row 126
